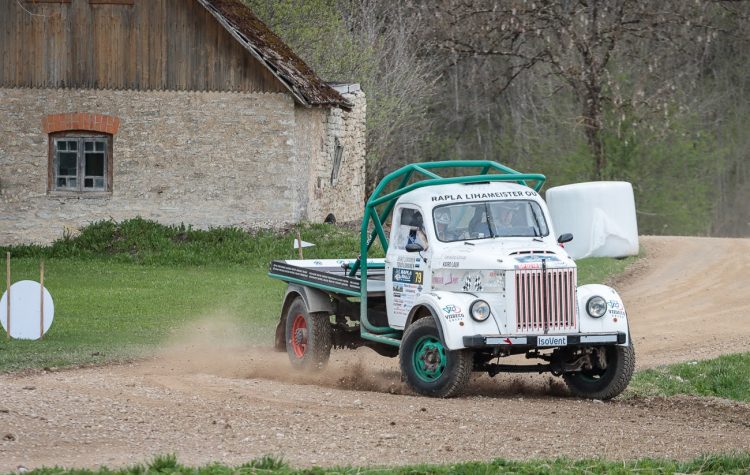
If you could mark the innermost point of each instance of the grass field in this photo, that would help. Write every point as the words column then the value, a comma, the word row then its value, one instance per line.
column 713, row 464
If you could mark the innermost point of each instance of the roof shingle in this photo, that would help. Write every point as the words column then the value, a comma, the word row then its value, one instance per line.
column 269, row 49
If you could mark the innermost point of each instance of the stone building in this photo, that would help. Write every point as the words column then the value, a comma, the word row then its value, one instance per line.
column 180, row 111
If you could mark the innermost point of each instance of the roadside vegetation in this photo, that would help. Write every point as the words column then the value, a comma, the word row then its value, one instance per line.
column 726, row 377
column 724, row 464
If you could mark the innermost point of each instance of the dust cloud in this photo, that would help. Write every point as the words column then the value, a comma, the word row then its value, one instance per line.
column 215, row 345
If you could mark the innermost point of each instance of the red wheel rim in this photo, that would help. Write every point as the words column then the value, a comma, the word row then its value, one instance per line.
column 299, row 336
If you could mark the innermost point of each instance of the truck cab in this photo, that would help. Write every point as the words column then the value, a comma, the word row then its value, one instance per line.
column 474, row 272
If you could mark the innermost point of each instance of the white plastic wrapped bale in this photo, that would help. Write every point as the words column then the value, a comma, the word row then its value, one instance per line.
column 600, row 215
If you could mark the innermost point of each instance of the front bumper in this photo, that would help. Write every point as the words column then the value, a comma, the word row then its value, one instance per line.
column 531, row 341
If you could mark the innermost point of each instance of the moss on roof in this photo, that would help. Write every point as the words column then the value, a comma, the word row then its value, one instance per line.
column 274, row 53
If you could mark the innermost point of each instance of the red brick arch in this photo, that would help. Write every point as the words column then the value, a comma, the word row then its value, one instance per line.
column 107, row 124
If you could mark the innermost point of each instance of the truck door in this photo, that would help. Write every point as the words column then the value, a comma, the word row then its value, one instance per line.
column 405, row 271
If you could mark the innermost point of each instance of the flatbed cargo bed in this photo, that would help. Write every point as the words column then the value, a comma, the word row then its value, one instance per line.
column 331, row 275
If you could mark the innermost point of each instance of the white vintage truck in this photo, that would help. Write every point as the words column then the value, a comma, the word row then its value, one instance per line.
column 473, row 273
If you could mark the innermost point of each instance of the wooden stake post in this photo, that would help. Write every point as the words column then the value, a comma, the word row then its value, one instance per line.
column 7, row 272
column 41, row 300
column 299, row 245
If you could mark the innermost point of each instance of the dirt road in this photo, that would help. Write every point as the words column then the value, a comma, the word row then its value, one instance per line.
column 216, row 400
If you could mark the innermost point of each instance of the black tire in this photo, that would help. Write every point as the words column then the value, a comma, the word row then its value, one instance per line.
column 308, row 337
column 445, row 374
column 598, row 384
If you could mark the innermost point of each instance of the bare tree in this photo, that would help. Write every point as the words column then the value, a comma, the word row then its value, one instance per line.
column 576, row 42
column 399, row 83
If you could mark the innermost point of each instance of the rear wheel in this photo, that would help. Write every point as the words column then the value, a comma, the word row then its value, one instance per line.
column 308, row 337
column 606, row 383
column 429, row 367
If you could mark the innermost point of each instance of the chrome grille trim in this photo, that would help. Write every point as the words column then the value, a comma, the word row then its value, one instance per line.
column 545, row 300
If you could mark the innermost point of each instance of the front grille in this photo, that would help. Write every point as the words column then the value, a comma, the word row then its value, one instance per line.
column 545, row 300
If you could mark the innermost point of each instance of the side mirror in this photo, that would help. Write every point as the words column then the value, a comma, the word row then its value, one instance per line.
column 414, row 247
column 567, row 237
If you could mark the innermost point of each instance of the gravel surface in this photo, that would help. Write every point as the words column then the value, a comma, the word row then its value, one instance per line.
column 213, row 399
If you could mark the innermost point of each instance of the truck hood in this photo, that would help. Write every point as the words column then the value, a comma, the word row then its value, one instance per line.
column 502, row 254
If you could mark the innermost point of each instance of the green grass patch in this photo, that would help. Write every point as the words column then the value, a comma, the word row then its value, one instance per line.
column 121, row 290
column 727, row 376
column 111, row 311
column 729, row 464
column 147, row 242
column 598, row 270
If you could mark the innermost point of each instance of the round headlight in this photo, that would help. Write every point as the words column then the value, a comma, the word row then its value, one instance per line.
column 479, row 310
column 596, row 306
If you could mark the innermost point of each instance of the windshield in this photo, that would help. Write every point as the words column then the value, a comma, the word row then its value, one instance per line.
column 488, row 219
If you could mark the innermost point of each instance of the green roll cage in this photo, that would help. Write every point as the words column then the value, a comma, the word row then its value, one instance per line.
column 425, row 174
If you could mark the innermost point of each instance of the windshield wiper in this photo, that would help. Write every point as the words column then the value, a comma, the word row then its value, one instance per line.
column 490, row 223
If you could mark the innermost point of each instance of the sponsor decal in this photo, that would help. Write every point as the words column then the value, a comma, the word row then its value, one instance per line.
column 455, row 258
column 552, row 341
column 445, row 279
column 398, row 287
column 449, row 264
column 536, row 258
column 532, row 265
column 615, row 308
column 484, row 196
column 408, row 276
column 453, row 312
column 450, row 308
column 405, row 262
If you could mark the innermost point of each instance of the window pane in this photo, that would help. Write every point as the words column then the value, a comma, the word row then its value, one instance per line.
column 72, row 182
column 99, row 146
column 67, row 162
column 88, row 182
column 94, row 164
column 61, row 182
column 62, row 145
column 88, row 146
column 72, row 145
column 99, row 183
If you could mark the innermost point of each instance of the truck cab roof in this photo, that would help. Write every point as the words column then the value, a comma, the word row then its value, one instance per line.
column 432, row 196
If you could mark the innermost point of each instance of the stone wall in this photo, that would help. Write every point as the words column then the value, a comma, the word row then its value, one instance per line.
column 344, row 197
column 206, row 159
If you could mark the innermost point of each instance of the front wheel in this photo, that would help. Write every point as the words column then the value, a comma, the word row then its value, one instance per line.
column 308, row 337
column 429, row 367
column 604, row 383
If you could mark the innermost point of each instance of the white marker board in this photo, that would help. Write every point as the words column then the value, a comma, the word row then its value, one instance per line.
column 25, row 303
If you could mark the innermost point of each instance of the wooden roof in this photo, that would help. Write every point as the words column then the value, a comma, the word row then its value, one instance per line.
column 307, row 88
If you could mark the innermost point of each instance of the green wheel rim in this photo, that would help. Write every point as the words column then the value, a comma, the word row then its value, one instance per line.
column 429, row 359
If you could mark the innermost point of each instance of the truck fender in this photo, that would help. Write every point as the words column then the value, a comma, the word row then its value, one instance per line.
column 450, row 311
column 417, row 314
column 614, row 320
column 315, row 301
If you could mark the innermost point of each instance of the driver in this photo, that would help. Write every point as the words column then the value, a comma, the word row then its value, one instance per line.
column 506, row 216
column 418, row 235
column 442, row 220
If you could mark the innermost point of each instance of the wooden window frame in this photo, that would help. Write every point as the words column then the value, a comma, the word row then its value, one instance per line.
column 338, row 155
column 52, row 161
